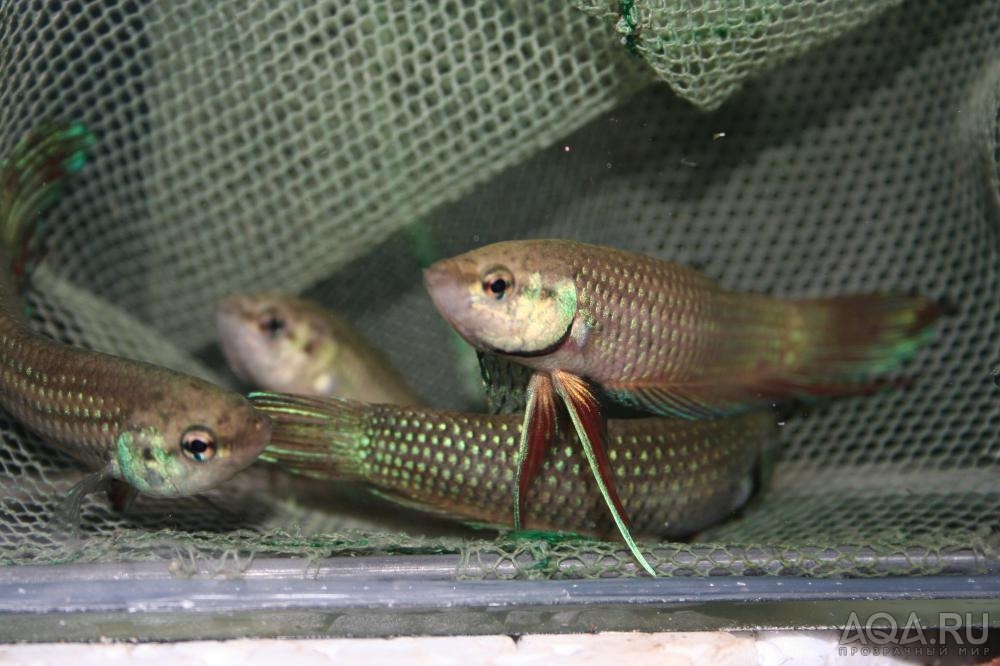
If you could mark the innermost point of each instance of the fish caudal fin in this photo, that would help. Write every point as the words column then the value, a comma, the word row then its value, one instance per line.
column 591, row 429
column 537, row 433
column 31, row 180
column 833, row 347
column 312, row 436
column 846, row 341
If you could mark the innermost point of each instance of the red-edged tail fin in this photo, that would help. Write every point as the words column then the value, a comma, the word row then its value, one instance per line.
column 537, row 432
column 833, row 347
column 591, row 429
column 849, row 340
column 315, row 437
column 31, row 179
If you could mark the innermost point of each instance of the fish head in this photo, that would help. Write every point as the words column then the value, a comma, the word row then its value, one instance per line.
column 276, row 342
column 192, row 436
column 512, row 298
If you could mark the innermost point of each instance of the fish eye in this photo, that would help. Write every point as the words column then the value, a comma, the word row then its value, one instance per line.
column 198, row 443
column 272, row 325
column 498, row 282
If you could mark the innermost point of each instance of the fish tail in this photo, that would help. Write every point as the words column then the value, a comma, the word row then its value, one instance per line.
column 31, row 179
column 844, row 341
column 312, row 436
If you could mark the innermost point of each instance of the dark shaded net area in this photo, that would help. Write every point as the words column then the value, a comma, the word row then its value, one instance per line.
column 334, row 148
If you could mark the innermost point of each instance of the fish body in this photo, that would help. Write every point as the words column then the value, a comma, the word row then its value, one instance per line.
column 662, row 337
column 293, row 345
column 161, row 432
column 658, row 337
column 674, row 477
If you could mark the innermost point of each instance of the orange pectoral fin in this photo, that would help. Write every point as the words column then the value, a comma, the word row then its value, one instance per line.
column 537, row 431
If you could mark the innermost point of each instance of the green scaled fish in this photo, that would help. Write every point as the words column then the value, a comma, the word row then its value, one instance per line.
column 658, row 337
column 160, row 432
column 676, row 477
column 292, row 345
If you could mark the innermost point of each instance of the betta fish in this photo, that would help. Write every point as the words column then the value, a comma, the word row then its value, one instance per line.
column 143, row 428
column 292, row 345
column 683, row 475
column 659, row 337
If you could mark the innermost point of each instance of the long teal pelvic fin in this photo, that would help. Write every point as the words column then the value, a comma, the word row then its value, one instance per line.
column 591, row 428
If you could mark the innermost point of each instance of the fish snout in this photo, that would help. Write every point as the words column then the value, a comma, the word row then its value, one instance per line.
column 447, row 285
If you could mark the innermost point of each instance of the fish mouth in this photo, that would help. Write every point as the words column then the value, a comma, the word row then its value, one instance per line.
column 445, row 284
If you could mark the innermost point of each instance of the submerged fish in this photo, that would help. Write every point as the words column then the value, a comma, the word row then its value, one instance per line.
column 659, row 337
column 292, row 345
column 161, row 432
column 676, row 477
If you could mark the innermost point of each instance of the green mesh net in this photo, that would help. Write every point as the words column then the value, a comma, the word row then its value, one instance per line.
column 707, row 49
column 332, row 148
